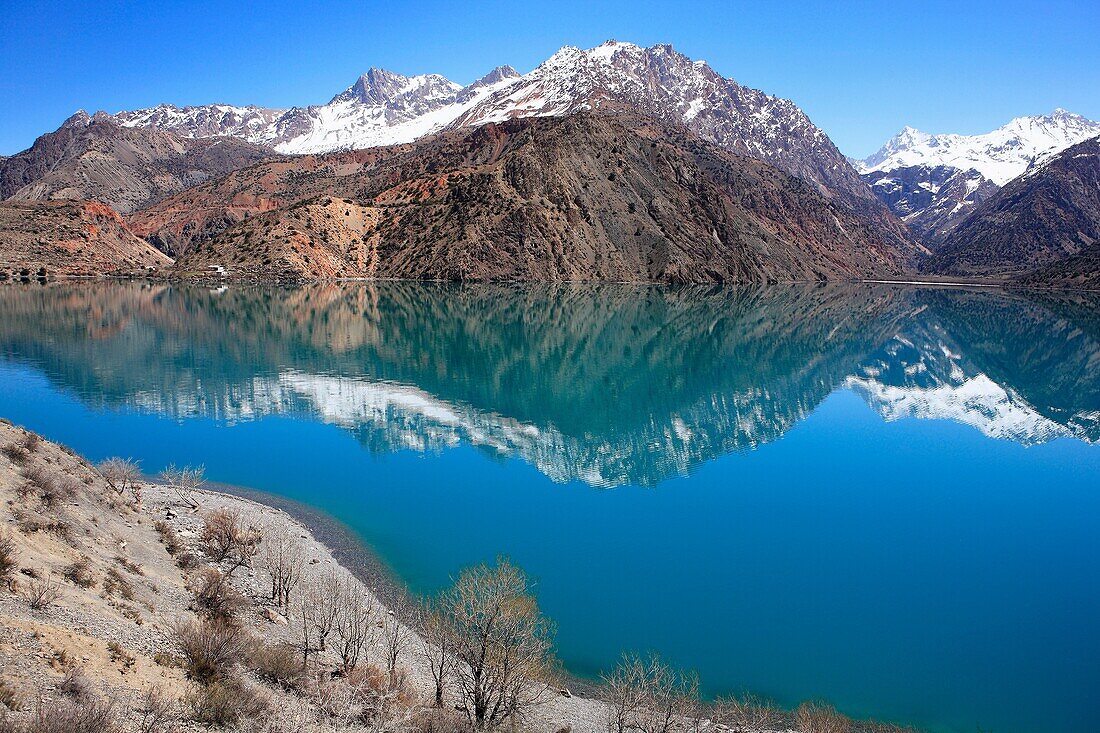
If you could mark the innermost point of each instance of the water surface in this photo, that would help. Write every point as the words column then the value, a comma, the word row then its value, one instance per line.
column 880, row 495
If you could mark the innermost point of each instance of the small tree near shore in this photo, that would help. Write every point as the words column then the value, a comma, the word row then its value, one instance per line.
column 282, row 557
column 649, row 696
column 502, row 659
column 184, row 482
column 122, row 475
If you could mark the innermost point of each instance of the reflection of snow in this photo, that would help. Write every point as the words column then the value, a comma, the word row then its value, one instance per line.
column 978, row 401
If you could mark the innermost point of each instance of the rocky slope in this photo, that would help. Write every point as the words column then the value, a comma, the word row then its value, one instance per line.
column 584, row 197
column 94, row 157
column 933, row 182
column 383, row 108
column 1044, row 225
column 70, row 238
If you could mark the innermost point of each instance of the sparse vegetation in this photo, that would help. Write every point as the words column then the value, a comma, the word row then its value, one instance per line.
column 115, row 583
column 215, row 596
column 123, row 475
column 224, row 702
column 210, row 649
column 168, row 536
column 184, row 482
column 9, row 558
column 820, row 717
column 41, row 593
column 79, row 572
column 224, row 538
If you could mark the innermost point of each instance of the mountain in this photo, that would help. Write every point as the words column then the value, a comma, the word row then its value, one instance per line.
column 70, row 238
column 1044, row 225
column 582, row 197
column 383, row 108
column 933, row 182
column 94, row 157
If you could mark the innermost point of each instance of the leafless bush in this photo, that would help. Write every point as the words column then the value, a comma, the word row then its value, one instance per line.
column 123, row 475
column 88, row 715
column 278, row 664
column 438, row 648
column 820, row 717
column 502, row 643
column 41, row 593
column 50, row 488
column 168, row 536
column 283, row 559
column 76, row 684
column 747, row 713
column 225, row 702
column 29, row 442
column 184, row 482
column 648, row 696
column 79, row 572
column 215, row 596
column 9, row 558
column 16, row 453
column 129, row 565
column 225, row 538
column 210, row 649
column 187, row 560
column 157, row 713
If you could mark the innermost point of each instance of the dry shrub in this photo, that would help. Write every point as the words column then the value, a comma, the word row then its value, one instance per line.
column 15, row 453
column 225, row 702
column 156, row 712
column 76, row 684
column 748, row 712
column 210, row 649
column 820, row 717
column 438, row 720
column 88, row 715
column 115, row 582
column 186, row 560
column 29, row 442
column 168, row 536
column 279, row 664
column 41, row 593
column 79, row 572
column 9, row 555
column 51, row 489
column 119, row 655
column 225, row 538
column 215, row 597
column 129, row 566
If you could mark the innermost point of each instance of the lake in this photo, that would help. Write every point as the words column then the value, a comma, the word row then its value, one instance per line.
column 884, row 496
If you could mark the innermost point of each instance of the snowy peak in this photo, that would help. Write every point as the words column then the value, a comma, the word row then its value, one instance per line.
column 1000, row 155
column 379, row 87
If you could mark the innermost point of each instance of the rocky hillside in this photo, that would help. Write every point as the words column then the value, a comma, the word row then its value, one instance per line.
column 1044, row 224
column 126, row 168
column 383, row 108
column 583, row 197
column 931, row 201
column 70, row 238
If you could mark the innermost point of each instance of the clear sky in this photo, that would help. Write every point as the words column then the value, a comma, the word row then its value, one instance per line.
column 861, row 71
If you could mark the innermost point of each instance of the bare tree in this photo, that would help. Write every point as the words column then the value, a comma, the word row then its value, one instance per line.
column 354, row 624
column 305, row 634
column 283, row 558
column 122, row 475
column 41, row 593
column 502, row 643
column 184, row 482
column 396, row 635
column 438, row 648
column 322, row 596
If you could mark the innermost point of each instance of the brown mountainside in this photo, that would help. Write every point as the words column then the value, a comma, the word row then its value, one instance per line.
column 70, row 238
column 583, row 197
column 126, row 168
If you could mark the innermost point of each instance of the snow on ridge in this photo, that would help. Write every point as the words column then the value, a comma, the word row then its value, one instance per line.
column 1000, row 155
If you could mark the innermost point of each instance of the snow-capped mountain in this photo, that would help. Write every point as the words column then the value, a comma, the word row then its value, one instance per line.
column 380, row 108
column 1000, row 155
column 385, row 108
column 933, row 182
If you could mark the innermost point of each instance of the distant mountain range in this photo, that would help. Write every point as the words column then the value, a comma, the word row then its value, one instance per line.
column 424, row 163
column 934, row 182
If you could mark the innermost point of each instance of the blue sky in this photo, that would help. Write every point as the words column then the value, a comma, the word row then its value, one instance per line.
column 861, row 72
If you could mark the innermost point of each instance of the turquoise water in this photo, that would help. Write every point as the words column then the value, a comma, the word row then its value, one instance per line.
column 883, row 496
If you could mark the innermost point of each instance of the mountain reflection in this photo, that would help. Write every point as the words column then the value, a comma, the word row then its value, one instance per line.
column 606, row 384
